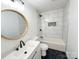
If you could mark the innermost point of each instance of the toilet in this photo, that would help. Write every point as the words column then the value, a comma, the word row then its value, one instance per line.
column 44, row 48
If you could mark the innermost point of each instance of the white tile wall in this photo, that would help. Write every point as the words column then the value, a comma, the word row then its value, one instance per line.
column 52, row 16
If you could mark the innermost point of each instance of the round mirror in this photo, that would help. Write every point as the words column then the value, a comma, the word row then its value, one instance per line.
column 13, row 24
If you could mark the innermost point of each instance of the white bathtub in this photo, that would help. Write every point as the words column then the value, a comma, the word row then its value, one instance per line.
column 57, row 44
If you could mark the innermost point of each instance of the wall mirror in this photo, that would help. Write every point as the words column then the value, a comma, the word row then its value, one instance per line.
column 13, row 24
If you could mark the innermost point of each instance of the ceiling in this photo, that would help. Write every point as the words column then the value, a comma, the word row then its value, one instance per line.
column 47, row 5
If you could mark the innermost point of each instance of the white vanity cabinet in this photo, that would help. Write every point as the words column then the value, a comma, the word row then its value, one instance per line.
column 37, row 54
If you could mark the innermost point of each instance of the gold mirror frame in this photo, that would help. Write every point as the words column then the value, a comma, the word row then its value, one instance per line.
column 21, row 34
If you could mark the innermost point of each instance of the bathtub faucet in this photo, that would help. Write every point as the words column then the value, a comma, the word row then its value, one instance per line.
column 22, row 44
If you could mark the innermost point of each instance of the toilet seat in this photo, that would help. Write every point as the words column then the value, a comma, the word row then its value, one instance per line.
column 44, row 46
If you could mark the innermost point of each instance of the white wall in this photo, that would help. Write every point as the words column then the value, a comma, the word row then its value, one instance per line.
column 53, row 31
column 72, row 19
column 31, row 14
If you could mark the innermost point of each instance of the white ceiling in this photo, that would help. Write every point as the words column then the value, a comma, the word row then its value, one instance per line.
column 46, row 5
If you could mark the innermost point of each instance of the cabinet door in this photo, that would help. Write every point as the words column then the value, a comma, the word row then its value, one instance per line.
column 37, row 54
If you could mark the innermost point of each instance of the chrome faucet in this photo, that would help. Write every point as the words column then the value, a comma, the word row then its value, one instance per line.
column 22, row 44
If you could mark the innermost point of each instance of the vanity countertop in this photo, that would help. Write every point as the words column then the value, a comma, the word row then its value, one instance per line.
column 25, row 52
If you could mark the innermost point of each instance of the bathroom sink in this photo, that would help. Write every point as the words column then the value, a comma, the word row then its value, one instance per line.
column 25, row 52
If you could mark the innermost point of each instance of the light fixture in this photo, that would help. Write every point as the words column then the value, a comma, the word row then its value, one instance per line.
column 15, row 4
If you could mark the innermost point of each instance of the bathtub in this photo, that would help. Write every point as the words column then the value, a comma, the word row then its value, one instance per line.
column 57, row 44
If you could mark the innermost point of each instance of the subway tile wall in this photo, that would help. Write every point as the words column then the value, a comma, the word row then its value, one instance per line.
column 52, row 31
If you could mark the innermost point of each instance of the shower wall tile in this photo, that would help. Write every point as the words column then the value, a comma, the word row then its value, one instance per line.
column 52, row 31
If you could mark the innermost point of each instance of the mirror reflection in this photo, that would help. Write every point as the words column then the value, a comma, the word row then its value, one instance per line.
column 13, row 24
